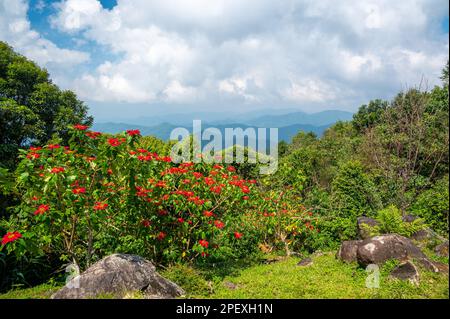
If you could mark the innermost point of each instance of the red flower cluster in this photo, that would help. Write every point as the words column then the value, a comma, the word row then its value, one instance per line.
column 33, row 155
column 208, row 213
column 79, row 190
column 133, row 132
column 161, row 235
column 93, row 135
column 41, row 209
column 219, row 224
column 203, row 243
column 80, row 127
column 57, row 170
column 10, row 237
column 237, row 235
column 53, row 146
column 100, row 206
column 115, row 141
column 146, row 223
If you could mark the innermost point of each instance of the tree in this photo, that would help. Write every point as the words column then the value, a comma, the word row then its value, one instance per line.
column 410, row 145
column 369, row 115
column 32, row 108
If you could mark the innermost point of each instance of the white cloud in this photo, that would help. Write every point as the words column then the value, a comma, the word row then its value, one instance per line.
column 326, row 53
column 16, row 30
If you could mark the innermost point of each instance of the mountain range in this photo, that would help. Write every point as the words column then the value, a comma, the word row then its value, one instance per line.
column 288, row 124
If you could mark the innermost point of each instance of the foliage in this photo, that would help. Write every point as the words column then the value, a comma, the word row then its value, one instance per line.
column 32, row 108
column 433, row 206
column 102, row 194
column 327, row 277
column 390, row 221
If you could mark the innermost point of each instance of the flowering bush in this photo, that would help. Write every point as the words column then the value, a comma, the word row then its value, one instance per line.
column 102, row 194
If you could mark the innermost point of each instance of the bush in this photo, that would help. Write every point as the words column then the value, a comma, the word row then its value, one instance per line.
column 390, row 221
column 103, row 194
column 433, row 206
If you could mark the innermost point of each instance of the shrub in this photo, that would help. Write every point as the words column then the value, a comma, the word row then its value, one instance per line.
column 433, row 206
column 104, row 194
column 390, row 221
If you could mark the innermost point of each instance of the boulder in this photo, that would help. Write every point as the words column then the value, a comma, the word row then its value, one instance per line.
column 379, row 249
column 406, row 271
column 348, row 250
column 116, row 275
column 442, row 249
column 363, row 232
column 305, row 262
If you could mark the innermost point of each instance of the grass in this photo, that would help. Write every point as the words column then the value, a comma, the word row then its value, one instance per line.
column 43, row 291
column 326, row 278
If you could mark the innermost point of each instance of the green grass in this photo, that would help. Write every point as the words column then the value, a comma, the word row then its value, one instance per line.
column 43, row 291
column 326, row 278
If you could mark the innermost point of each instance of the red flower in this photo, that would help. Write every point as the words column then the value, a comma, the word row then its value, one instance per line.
column 208, row 214
column 180, row 220
column 10, row 237
column 133, row 132
column 203, row 243
column 237, row 235
column 33, row 156
column 146, row 223
column 57, row 170
column 245, row 197
column 93, row 135
column 80, row 127
column 161, row 235
column 231, row 169
column 219, row 224
column 245, row 189
column 100, row 206
column 34, row 149
column 79, row 190
column 209, row 181
column 197, row 175
column 216, row 189
column 114, row 142
column 53, row 146
column 41, row 209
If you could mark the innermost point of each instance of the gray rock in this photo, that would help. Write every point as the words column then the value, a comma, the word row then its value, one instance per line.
column 409, row 218
column 305, row 262
column 348, row 250
column 442, row 249
column 422, row 235
column 362, row 231
column 406, row 271
column 117, row 275
column 379, row 249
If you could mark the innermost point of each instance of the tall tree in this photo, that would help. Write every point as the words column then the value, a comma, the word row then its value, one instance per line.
column 32, row 108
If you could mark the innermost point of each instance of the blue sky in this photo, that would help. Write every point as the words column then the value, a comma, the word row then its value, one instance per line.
column 136, row 58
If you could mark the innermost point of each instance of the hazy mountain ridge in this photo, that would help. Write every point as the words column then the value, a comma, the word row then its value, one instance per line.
column 288, row 124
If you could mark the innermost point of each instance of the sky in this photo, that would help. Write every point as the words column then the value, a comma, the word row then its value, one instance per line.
column 132, row 58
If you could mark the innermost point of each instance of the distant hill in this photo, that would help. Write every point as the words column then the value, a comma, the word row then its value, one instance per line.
column 315, row 119
column 288, row 124
column 163, row 130
column 260, row 118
